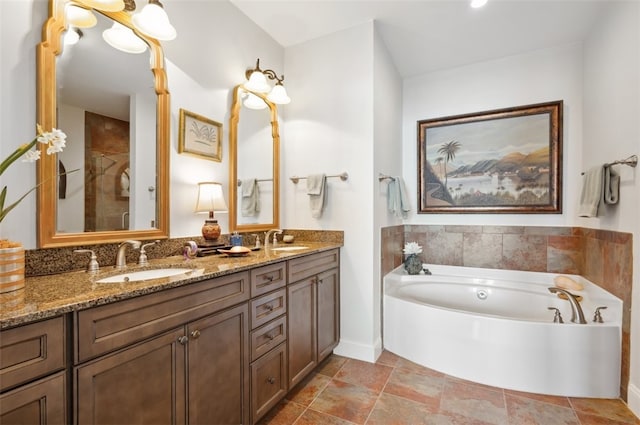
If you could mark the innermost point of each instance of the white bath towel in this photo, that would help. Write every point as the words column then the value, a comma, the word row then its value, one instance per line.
column 250, row 198
column 397, row 199
column 611, row 186
column 317, row 192
column 592, row 184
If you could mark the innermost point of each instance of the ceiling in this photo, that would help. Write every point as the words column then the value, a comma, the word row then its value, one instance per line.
column 427, row 35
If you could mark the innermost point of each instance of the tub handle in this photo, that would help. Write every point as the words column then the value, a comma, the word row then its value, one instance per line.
column 597, row 317
column 557, row 317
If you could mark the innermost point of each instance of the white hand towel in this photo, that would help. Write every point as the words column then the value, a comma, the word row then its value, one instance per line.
column 316, row 190
column 397, row 199
column 591, row 192
column 250, row 198
column 611, row 186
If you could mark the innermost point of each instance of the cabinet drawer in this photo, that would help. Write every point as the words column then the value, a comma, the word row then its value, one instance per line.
column 39, row 403
column 268, row 278
column 268, row 307
column 31, row 351
column 112, row 326
column 310, row 265
column 268, row 336
column 268, row 381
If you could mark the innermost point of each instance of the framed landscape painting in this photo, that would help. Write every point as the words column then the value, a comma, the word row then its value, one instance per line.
column 500, row 161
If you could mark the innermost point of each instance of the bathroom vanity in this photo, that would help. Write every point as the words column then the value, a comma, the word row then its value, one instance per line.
column 222, row 347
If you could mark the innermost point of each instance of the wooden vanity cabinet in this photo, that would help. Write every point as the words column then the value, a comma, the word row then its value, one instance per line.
column 177, row 356
column 33, row 380
column 313, row 311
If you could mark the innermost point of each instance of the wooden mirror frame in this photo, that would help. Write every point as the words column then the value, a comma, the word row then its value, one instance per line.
column 233, row 163
column 46, row 169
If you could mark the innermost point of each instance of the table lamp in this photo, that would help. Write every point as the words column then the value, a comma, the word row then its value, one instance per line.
column 210, row 200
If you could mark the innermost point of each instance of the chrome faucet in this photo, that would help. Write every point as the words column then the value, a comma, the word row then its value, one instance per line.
column 576, row 310
column 121, row 257
column 275, row 239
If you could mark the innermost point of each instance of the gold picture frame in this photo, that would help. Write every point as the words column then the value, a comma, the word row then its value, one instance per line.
column 199, row 136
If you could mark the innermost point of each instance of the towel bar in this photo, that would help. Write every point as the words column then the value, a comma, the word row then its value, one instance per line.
column 258, row 180
column 383, row 177
column 631, row 161
column 343, row 176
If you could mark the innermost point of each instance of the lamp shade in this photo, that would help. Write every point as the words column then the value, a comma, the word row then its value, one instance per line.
column 80, row 17
column 258, row 82
column 254, row 102
column 122, row 38
column 105, row 5
column 154, row 22
column 279, row 95
column 210, row 198
column 71, row 37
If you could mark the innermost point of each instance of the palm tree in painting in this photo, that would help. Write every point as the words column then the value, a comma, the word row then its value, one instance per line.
column 449, row 151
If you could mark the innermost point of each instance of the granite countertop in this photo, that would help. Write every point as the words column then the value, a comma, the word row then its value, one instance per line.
column 48, row 296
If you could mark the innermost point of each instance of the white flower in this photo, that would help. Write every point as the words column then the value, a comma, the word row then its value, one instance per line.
column 31, row 156
column 412, row 248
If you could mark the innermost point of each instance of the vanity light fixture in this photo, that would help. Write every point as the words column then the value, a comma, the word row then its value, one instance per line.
column 80, row 17
column 210, row 200
column 257, row 82
column 124, row 39
column 153, row 21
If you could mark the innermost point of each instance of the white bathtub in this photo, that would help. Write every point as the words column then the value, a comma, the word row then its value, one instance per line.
column 494, row 327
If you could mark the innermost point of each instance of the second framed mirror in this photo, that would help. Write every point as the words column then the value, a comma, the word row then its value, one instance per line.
column 254, row 168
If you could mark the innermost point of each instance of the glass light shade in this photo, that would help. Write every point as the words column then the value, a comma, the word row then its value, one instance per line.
column 210, row 198
column 71, row 37
column 154, row 22
column 122, row 38
column 254, row 102
column 279, row 95
column 80, row 17
column 258, row 83
column 105, row 5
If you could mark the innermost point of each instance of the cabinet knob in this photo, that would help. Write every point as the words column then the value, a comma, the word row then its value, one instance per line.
column 271, row 380
column 270, row 336
column 268, row 307
column 195, row 334
column 268, row 278
column 183, row 339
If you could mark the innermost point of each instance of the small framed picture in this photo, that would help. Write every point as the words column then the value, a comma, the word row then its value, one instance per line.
column 199, row 136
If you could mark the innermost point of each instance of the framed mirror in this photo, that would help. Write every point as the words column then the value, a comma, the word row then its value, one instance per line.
column 254, row 167
column 114, row 107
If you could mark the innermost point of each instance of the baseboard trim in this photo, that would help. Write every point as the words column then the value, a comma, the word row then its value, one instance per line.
column 358, row 351
column 633, row 399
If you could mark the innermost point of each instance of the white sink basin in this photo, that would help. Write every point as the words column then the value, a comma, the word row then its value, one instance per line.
column 145, row 275
column 289, row 248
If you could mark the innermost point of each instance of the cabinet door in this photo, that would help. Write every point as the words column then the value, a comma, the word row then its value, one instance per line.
column 41, row 402
column 144, row 384
column 303, row 358
column 328, row 312
column 268, row 381
column 218, row 368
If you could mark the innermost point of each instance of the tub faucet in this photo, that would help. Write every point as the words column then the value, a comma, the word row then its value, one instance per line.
column 121, row 257
column 577, row 315
column 275, row 240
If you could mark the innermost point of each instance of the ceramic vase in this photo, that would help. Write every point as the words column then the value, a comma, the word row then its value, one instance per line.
column 11, row 269
column 413, row 264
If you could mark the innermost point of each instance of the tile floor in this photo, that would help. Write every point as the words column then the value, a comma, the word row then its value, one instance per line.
column 394, row 391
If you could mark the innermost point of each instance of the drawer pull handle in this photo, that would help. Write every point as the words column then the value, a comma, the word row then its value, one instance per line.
column 270, row 336
column 195, row 334
column 183, row 339
column 268, row 307
column 269, row 278
column 271, row 380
